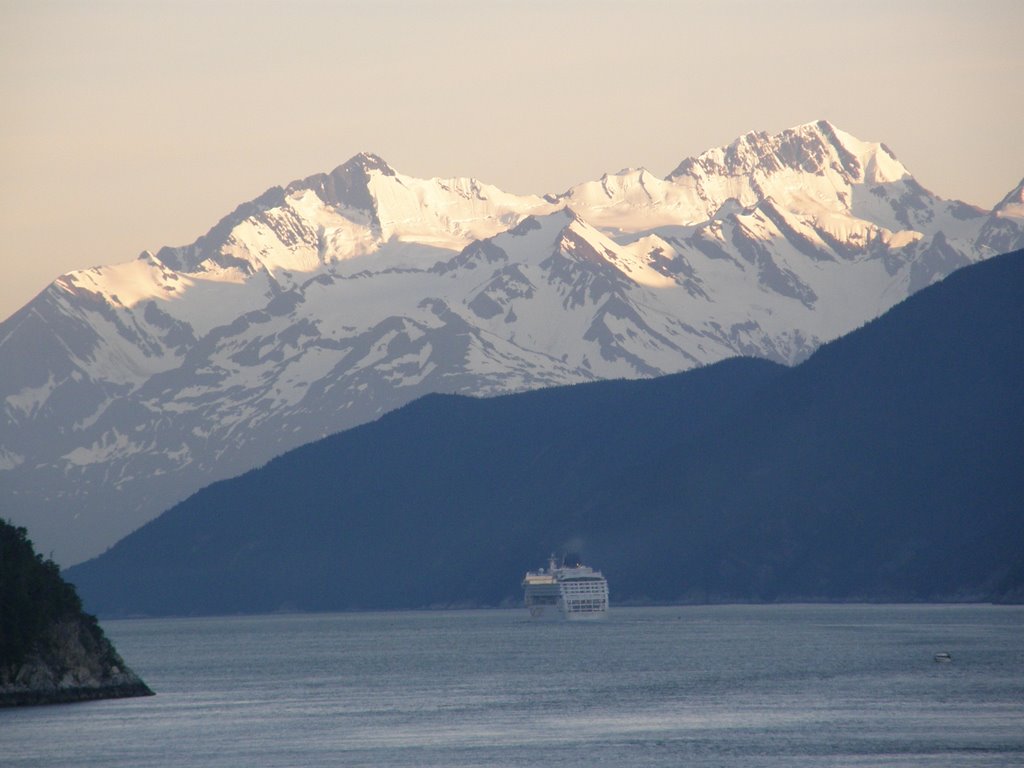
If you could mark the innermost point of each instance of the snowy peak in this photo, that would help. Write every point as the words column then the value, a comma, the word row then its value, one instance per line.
column 877, row 163
column 815, row 165
column 631, row 186
column 562, row 232
column 361, row 208
column 813, row 148
column 365, row 204
column 1012, row 206
column 188, row 258
column 635, row 200
column 347, row 185
column 445, row 213
column 367, row 162
column 563, row 248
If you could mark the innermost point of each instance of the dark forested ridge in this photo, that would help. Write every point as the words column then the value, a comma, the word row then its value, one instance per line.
column 885, row 467
column 50, row 650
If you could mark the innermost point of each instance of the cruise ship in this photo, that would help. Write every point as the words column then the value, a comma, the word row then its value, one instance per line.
column 565, row 592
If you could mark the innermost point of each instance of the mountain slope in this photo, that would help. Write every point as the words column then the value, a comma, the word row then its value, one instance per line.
column 330, row 301
column 885, row 467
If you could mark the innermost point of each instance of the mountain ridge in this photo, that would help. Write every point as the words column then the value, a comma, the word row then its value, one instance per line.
column 328, row 301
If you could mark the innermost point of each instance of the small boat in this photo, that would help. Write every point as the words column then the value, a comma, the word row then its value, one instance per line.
column 943, row 657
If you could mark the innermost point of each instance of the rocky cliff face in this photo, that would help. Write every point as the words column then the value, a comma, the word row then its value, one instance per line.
column 76, row 662
column 51, row 652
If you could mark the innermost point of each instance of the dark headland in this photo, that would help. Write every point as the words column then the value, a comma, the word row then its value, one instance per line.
column 51, row 651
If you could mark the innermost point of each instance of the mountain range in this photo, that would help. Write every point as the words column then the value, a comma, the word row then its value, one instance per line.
column 326, row 303
column 886, row 467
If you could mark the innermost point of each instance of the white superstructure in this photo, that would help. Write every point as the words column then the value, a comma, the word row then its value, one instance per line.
column 566, row 592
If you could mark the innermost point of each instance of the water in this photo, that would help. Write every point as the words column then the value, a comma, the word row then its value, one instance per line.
column 694, row 686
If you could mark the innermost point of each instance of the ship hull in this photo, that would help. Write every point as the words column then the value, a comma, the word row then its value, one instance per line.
column 557, row 613
column 545, row 613
column 591, row 616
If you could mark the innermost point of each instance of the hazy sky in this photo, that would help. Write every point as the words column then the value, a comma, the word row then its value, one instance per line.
column 132, row 125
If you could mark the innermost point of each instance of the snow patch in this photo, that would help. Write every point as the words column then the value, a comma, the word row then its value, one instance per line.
column 111, row 445
column 10, row 460
column 28, row 400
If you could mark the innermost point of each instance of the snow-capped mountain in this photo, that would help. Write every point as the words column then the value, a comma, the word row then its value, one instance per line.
column 321, row 305
column 1012, row 206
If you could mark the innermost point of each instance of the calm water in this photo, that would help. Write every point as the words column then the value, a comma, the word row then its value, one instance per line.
column 693, row 686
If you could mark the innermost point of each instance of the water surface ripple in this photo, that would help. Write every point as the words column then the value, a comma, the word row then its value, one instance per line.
column 790, row 685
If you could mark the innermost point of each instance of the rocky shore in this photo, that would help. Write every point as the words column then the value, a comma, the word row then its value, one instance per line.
column 51, row 651
column 74, row 663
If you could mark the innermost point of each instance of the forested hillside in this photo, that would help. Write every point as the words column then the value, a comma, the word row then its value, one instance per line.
column 50, row 650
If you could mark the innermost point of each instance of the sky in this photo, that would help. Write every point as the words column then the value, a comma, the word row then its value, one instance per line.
column 130, row 125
